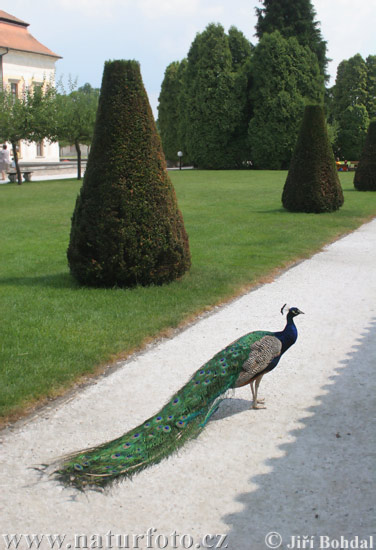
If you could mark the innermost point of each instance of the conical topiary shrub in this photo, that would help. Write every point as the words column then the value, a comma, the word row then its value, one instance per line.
column 312, row 184
column 365, row 175
column 126, row 226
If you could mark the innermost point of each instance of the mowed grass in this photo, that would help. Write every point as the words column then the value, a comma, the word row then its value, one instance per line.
column 54, row 332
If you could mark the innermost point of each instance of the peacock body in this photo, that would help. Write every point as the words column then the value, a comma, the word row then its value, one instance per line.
column 185, row 415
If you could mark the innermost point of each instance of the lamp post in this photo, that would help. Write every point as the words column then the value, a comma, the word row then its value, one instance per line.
column 180, row 154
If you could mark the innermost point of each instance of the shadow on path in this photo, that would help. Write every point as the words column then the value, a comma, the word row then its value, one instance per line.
column 322, row 485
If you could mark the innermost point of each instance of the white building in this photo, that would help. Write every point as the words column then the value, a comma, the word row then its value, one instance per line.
column 24, row 60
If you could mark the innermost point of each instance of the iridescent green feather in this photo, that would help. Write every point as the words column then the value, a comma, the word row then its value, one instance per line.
column 180, row 420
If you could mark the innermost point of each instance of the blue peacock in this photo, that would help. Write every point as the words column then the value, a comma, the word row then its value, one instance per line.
column 245, row 361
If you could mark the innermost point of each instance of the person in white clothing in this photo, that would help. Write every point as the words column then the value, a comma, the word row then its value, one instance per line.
column 4, row 161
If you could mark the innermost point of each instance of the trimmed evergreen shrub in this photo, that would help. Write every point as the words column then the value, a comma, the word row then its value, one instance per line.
column 312, row 184
column 365, row 175
column 126, row 226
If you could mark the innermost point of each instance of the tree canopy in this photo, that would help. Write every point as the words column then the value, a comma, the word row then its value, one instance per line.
column 31, row 116
column 229, row 103
column 353, row 104
column 351, row 84
column 371, row 86
column 214, row 100
column 241, row 49
column 169, row 112
column 285, row 75
column 76, row 112
column 293, row 18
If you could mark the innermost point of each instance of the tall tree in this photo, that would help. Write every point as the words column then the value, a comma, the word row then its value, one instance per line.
column 293, row 18
column 126, row 226
column 352, row 131
column 182, row 110
column 351, row 84
column 286, row 76
column 169, row 113
column 241, row 55
column 213, row 111
column 240, row 47
column 76, row 117
column 30, row 117
column 350, row 98
column 371, row 86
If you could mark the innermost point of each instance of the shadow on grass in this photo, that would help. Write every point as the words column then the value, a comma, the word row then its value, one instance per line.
column 322, row 485
column 58, row 280
column 272, row 211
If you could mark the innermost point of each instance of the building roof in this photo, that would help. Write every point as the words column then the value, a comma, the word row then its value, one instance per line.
column 15, row 36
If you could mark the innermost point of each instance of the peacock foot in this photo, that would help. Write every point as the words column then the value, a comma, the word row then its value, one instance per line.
column 256, row 406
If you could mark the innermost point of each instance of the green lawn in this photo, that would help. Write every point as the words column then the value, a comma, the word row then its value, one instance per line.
column 54, row 332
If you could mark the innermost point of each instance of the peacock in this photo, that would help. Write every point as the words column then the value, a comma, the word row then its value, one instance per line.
column 184, row 416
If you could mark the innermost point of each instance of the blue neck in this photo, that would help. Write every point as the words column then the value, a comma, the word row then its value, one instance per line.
column 289, row 334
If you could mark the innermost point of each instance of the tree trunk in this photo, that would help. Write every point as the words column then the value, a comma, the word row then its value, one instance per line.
column 78, row 150
column 15, row 156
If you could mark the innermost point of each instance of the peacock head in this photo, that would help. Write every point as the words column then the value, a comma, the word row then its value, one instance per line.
column 291, row 311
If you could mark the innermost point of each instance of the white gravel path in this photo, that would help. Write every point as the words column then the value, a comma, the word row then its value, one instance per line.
column 303, row 466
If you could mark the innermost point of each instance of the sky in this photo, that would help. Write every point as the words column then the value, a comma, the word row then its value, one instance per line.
column 86, row 33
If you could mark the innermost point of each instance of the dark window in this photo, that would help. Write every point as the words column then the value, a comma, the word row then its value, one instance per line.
column 14, row 90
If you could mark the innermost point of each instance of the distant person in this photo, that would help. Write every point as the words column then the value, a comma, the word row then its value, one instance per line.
column 4, row 161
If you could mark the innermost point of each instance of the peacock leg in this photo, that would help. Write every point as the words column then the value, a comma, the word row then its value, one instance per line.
column 254, row 392
column 260, row 400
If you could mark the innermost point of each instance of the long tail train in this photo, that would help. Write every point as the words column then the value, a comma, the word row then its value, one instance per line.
column 180, row 420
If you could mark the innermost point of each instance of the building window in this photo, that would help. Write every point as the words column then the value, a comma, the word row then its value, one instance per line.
column 14, row 90
column 40, row 149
